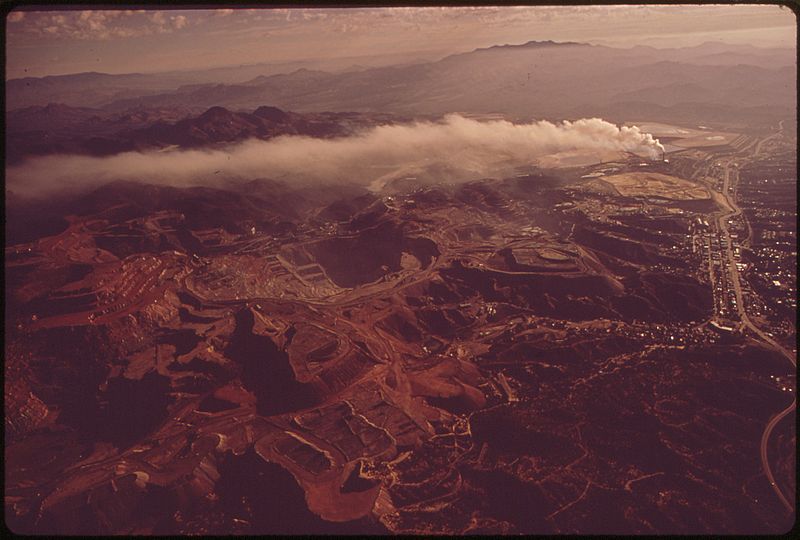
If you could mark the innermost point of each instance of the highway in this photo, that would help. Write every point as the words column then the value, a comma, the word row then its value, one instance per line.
column 722, row 220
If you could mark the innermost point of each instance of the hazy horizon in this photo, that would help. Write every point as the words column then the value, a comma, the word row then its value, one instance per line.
column 118, row 40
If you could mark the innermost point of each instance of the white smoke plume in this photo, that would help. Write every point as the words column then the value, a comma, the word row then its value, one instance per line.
column 465, row 148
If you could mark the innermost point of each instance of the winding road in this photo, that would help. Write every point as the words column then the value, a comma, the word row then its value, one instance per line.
column 722, row 219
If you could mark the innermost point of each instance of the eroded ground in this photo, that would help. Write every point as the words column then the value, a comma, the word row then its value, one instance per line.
column 529, row 355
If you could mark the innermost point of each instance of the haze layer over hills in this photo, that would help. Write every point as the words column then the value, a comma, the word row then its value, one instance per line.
column 544, row 80
column 545, row 288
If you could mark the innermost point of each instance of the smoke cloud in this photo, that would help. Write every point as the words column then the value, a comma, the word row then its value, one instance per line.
column 455, row 147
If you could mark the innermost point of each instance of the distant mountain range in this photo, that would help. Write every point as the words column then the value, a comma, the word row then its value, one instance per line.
column 93, row 89
column 58, row 128
column 712, row 83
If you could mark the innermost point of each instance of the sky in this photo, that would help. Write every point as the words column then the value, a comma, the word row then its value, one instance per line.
column 40, row 43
